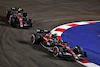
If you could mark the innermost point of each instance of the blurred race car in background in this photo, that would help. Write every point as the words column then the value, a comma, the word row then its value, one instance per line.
column 16, row 18
column 53, row 44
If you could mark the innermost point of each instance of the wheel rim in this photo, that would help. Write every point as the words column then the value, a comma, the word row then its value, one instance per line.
column 33, row 39
column 78, row 50
column 55, row 51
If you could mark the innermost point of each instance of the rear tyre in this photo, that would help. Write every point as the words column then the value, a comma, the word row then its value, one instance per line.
column 35, row 39
column 8, row 14
column 24, row 14
column 30, row 22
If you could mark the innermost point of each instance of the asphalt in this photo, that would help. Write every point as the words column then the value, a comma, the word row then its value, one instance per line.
column 16, row 49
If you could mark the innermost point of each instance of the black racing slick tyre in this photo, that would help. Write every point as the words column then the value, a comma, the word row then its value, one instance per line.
column 57, row 51
column 24, row 14
column 78, row 50
column 30, row 22
column 35, row 39
column 13, row 22
column 8, row 14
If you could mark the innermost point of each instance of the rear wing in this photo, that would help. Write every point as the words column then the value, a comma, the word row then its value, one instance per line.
column 41, row 31
column 16, row 9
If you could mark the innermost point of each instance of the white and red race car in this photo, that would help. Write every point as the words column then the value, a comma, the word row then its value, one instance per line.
column 53, row 44
column 16, row 18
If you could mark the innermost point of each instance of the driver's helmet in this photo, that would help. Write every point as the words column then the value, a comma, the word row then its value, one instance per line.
column 54, row 35
column 19, row 10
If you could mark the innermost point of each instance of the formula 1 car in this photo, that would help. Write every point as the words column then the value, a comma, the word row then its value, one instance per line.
column 16, row 18
column 53, row 44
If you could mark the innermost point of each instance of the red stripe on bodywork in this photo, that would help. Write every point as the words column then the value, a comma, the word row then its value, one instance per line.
column 60, row 29
column 70, row 50
column 46, row 39
column 20, row 20
column 44, row 42
column 72, row 25
column 84, row 61
column 91, row 22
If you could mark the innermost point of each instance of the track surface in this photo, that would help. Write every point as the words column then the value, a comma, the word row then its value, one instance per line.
column 15, row 46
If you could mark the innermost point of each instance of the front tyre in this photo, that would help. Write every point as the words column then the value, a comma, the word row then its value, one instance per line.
column 8, row 13
column 78, row 50
column 13, row 22
column 57, row 51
